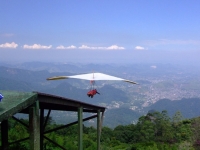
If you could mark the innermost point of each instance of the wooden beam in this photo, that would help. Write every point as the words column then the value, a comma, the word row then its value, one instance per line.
column 80, row 128
column 34, row 127
column 70, row 124
column 98, row 129
column 41, row 128
column 24, row 124
column 47, row 118
column 4, row 134
column 55, row 143
column 102, row 115
column 18, row 141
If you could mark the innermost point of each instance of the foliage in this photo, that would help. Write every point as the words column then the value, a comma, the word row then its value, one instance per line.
column 154, row 131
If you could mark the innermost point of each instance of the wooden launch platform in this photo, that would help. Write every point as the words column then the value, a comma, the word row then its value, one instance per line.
column 34, row 104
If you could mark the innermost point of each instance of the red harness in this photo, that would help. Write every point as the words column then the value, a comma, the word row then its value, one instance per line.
column 91, row 93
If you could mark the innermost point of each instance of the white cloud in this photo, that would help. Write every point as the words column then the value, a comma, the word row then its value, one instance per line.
column 36, row 46
column 139, row 48
column 69, row 47
column 113, row 47
column 85, row 47
column 60, row 47
column 9, row 45
column 154, row 67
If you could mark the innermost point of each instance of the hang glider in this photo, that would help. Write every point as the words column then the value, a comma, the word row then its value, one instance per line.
column 92, row 77
column 1, row 97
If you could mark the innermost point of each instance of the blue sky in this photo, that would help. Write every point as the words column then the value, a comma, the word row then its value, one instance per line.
column 104, row 31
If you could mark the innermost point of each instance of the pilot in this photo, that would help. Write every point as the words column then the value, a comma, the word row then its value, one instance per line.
column 91, row 93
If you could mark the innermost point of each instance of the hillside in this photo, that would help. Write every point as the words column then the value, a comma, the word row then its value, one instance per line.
column 189, row 108
column 124, row 102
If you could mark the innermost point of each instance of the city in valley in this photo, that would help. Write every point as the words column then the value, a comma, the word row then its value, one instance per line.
column 157, row 84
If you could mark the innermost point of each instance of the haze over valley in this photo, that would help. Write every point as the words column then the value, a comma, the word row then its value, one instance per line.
column 161, row 87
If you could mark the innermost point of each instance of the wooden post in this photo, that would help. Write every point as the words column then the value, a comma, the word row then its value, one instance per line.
column 41, row 128
column 98, row 129
column 34, row 127
column 80, row 128
column 4, row 134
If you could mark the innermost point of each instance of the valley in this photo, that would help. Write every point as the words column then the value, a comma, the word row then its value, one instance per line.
column 161, row 87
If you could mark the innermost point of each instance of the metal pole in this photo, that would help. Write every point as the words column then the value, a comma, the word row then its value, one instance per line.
column 80, row 128
column 98, row 129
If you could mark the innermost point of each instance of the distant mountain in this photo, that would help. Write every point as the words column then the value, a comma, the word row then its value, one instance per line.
column 107, row 94
column 14, row 85
column 23, row 75
column 65, row 89
column 35, row 79
column 112, row 117
column 142, row 70
column 120, row 116
column 29, row 77
column 189, row 108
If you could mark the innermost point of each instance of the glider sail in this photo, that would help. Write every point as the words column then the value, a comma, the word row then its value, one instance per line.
column 92, row 77
column 1, row 97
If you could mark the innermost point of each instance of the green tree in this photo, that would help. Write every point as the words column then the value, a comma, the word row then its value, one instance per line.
column 106, row 134
column 146, row 128
column 163, row 128
column 124, row 134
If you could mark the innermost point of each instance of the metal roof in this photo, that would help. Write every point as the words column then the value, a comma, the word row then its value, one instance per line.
column 53, row 102
column 14, row 102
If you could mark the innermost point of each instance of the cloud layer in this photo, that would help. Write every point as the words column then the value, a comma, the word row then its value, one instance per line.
column 9, row 45
column 139, row 48
column 69, row 47
column 36, row 46
column 112, row 47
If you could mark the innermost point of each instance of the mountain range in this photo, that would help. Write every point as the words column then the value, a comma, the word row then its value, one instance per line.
column 115, row 97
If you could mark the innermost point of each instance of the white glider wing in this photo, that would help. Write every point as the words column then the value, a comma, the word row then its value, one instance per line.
column 92, row 76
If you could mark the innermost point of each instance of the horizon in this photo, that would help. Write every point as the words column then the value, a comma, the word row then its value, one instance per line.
column 117, row 32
